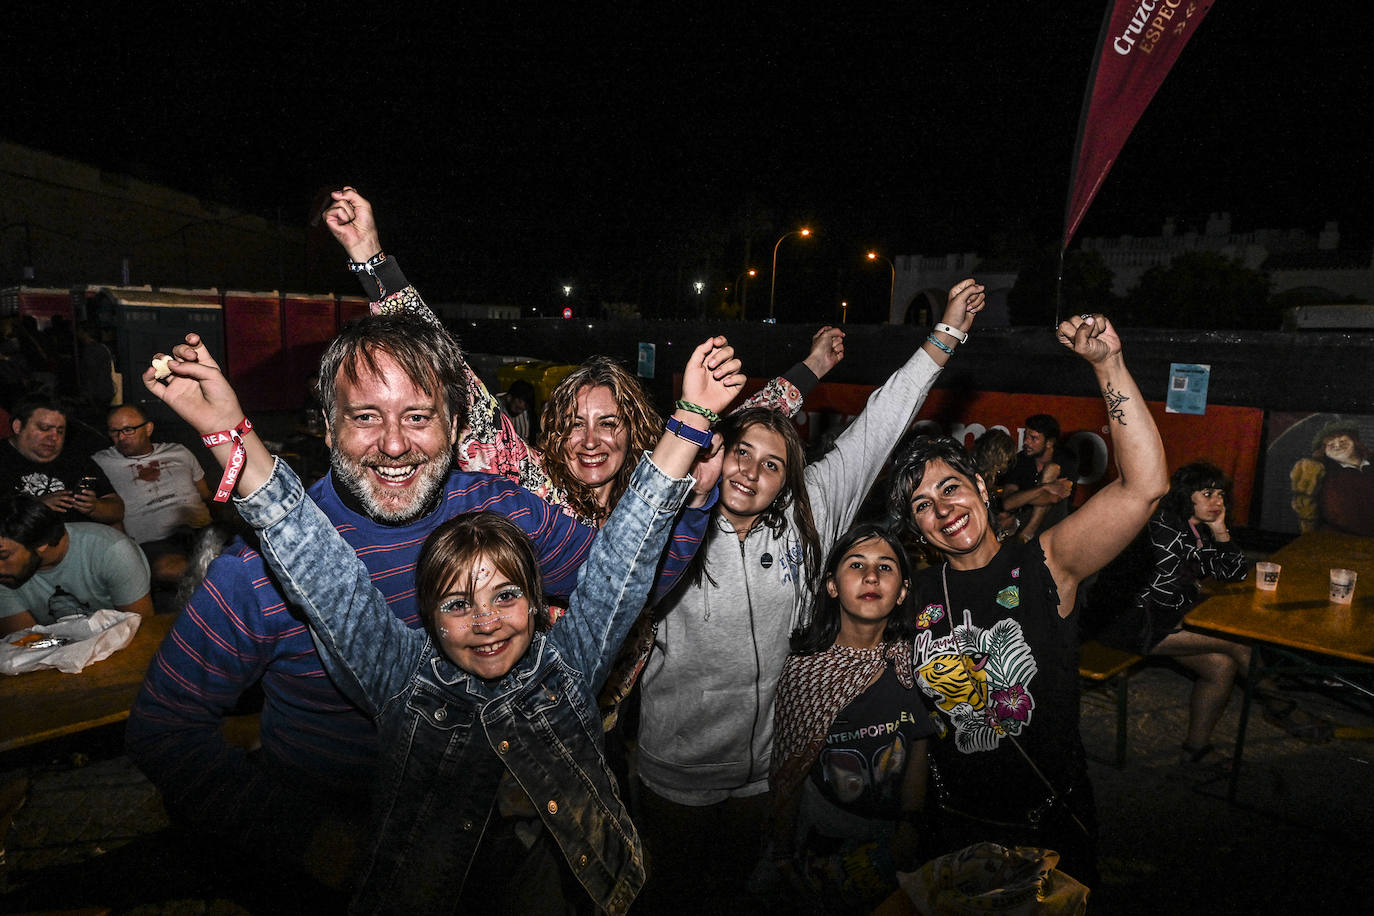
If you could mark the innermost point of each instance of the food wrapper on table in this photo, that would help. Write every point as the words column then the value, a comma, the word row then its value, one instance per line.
column 988, row 878
column 70, row 644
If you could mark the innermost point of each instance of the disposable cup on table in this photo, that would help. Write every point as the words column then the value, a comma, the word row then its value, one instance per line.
column 1343, row 585
column 1267, row 576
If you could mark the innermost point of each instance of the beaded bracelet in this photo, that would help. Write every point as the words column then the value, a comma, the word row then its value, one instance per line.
column 941, row 344
column 710, row 415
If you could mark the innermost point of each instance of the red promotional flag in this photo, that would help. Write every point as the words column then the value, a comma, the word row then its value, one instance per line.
column 1140, row 41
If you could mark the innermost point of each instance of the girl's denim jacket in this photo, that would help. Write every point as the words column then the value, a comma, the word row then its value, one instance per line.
column 447, row 736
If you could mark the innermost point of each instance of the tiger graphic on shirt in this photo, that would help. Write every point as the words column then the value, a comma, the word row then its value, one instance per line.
column 979, row 678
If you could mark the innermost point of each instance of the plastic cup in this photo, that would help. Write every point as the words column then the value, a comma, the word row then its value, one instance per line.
column 1343, row 585
column 1267, row 576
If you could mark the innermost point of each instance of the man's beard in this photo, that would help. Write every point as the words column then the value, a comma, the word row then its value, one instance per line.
column 24, row 574
column 429, row 479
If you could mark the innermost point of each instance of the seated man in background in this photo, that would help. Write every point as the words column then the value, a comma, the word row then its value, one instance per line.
column 1042, row 461
column 49, row 570
column 163, row 487
column 40, row 461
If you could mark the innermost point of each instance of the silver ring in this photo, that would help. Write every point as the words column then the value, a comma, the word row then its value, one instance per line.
column 1085, row 316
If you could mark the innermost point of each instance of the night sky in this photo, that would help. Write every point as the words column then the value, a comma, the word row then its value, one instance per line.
column 630, row 150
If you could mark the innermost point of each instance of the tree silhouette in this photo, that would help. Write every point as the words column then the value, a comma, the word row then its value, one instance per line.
column 1201, row 289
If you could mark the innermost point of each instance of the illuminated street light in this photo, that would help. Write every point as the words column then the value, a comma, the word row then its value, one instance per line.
column 773, row 280
column 699, row 286
column 892, row 286
column 742, row 289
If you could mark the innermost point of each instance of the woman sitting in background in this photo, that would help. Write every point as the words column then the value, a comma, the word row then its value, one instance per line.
column 1161, row 577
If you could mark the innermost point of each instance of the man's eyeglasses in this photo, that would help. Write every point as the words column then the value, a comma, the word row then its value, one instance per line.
column 127, row 430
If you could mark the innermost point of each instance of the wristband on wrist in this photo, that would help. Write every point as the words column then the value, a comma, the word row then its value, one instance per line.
column 369, row 266
column 941, row 344
column 234, row 466
column 701, row 438
column 961, row 336
column 710, row 415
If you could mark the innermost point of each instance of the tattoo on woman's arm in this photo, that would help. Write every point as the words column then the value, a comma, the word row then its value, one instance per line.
column 1114, row 401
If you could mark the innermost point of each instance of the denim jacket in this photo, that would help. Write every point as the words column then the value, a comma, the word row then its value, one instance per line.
column 447, row 736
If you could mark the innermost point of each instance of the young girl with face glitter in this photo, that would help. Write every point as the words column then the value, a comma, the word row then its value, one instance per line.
column 493, row 795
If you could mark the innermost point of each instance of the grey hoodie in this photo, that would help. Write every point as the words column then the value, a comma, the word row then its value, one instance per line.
column 706, row 716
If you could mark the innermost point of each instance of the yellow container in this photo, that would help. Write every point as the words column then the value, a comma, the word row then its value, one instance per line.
column 544, row 376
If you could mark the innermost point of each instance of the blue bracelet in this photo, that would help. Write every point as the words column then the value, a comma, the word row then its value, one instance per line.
column 941, row 344
column 701, row 438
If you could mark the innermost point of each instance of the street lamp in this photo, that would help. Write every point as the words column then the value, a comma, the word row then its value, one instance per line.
column 742, row 289
column 892, row 286
column 773, row 280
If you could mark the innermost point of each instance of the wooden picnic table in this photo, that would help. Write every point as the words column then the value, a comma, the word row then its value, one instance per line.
column 45, row 704
column 1296, row 627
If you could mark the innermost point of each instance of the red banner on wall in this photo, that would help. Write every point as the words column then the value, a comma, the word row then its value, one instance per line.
column 1228, row 437
column 1139, row 43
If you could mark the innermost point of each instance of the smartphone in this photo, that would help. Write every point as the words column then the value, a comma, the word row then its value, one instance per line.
column 87, row 483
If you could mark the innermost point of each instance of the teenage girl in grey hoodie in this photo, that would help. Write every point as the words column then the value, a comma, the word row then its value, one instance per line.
column 706, row 721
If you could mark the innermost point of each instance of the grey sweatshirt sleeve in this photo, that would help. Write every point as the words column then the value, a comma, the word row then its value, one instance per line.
column 838, row 482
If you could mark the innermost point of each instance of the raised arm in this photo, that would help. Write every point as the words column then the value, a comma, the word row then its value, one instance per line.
column 1089, row 538
column 787, row 392
column 319, row 572
column 490, row 443
column 837, row 483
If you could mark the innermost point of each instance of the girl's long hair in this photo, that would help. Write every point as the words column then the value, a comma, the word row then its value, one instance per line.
column 820, row 633
column 793, row 490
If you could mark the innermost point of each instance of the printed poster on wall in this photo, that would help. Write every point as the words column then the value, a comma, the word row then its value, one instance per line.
column 1187, row 388
column 1318, row 473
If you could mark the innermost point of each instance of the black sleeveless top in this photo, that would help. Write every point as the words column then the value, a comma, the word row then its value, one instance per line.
column 1002, row 668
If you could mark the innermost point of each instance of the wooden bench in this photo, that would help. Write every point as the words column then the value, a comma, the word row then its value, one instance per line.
column 1102, row 664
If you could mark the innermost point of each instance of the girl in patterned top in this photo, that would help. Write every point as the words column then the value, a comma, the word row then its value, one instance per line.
column 851, row 730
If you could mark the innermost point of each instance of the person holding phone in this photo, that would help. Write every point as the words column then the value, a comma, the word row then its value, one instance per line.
column 42, row 462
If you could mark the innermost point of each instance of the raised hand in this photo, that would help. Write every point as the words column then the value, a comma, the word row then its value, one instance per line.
column 712, row 377
column 196, row 389
column 350, row 220
column 1091, row 337
column 827, row 349
column 966, row 299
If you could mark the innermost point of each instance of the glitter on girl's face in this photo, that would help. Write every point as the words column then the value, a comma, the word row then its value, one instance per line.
column 484, row 621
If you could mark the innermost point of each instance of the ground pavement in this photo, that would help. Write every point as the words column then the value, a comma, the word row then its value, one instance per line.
column 1300, row 837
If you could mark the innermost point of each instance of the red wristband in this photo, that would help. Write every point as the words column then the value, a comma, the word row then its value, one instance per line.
column 234, row 466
